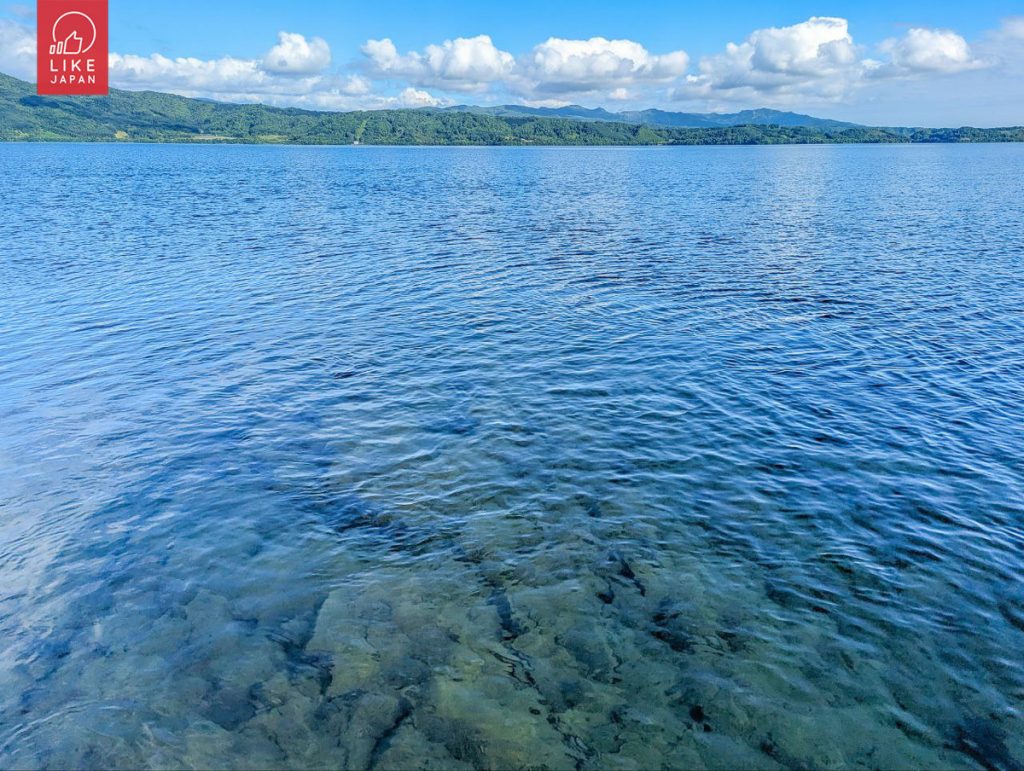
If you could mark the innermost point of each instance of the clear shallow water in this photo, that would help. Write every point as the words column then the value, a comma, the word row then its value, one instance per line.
column 566, row 458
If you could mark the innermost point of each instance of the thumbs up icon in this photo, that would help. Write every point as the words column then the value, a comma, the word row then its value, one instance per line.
column 72, row 46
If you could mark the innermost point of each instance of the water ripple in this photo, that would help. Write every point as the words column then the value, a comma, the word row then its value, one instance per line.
column 456, row 458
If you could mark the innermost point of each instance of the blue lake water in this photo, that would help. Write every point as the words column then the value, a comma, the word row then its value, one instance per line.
column 512, row 458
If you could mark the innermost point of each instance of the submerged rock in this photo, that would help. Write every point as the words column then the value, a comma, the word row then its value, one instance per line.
column 408, row 748
column 591, row 649
column 374, row 720
column 343, row 628
column 503, row 724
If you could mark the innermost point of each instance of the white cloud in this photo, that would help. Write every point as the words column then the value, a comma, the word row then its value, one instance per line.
column 353, row 85
column 353, row 93
column 819, row 46
column 816, row 58
column 928, row 50
column 463, row 64
column 295, row 55
column 188, row 74
column 559, row 66
column 291, row 73
column 556, row 67
column 17, row 50
column 290, row 67
column 242, row 80
column 412, row 97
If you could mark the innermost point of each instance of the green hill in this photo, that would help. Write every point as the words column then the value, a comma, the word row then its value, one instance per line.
column 146, row 116
column 762, row 117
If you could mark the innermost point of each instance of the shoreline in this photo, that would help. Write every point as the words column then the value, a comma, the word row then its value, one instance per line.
column 661, row 145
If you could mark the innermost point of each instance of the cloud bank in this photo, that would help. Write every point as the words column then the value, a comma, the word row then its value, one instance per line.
column 807, row 63
column 293, row 72
column 595, row 66
column 294, row 55
column 463, row 64
column 929, row 50
column 814, row 59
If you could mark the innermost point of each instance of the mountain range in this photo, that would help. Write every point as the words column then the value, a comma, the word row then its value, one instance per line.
column 148, row 116
column 761, row 117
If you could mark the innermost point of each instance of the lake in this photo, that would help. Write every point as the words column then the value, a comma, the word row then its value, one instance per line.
column 462, row 458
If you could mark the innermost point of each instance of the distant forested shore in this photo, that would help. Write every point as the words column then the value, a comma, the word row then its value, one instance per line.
column 146, row 116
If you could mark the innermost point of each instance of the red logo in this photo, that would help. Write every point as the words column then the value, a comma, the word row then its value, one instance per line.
column 72, row 47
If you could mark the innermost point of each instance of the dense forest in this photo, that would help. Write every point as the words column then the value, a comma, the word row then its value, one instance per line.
column 760, row 117
column 146, row 116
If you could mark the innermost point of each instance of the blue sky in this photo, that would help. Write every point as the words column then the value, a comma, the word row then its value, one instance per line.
column 241, row 27
column 920, row 63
